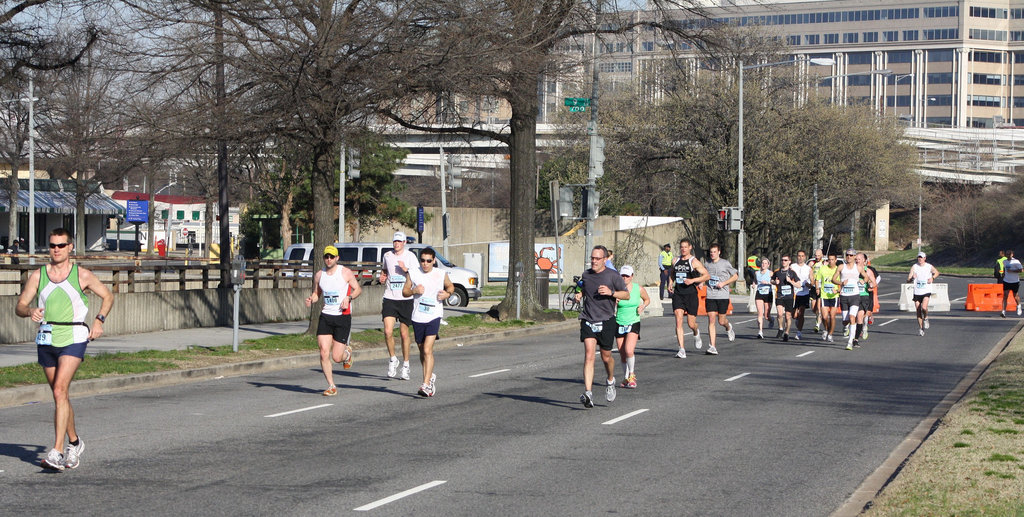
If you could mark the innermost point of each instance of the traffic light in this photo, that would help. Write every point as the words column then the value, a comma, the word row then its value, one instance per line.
column 735, row 219
column 354, row 162
column 722, row 218
column 590, row 204
column 454, row 171
column 564, row 201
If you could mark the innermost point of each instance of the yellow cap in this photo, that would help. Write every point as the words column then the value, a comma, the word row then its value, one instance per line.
column 331, row 250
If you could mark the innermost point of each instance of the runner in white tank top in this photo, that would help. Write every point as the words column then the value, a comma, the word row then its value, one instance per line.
column 429, row 287
column 922, row 275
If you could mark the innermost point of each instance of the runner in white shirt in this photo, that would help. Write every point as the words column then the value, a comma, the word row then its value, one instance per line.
column 395, row 306
column 803, row 295
column 429, row 287
column 922, row 275
column 338, row 286
column 1011, row 280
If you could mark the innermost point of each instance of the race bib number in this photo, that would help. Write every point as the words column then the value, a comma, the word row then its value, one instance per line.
column 396, row 285
column 786, row 290
column 829, row 288
column 764, row 289
column 848, row 290
column 680, row 278
column 624, row 329
column 332, row 298
column 713, row 282
column 596, row 327
column 45, row 334
column 921, row 284
column 426, row 305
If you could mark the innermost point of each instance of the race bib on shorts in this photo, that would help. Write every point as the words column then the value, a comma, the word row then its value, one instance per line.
column 45, row 334
column 786, row 290
column 624, row 329
column 764, row 289
column 596, row 327
column 849, row 290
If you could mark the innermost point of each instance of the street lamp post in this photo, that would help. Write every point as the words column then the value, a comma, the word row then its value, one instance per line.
column 896, row 97
column 31, row 100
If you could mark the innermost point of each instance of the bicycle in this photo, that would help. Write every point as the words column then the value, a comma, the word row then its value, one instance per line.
column 569, row 302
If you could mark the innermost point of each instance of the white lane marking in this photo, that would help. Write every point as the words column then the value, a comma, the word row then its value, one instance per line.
column 391, row 499
column 959, row 299
column 730, row 379
column 886, row 323
column 623, row 417
column 297, row 411
column 490, row 373
column 888, row 294
column 745, row 321
column 805, row 354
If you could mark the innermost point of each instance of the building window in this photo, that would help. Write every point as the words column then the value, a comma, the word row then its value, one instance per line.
column 936, row 56
column 940, row 78
column 1017, row 13
column 647, row 46
column 859, row 58
column 901, row 100
column 850, row 37
column 831, row 39
column 793, row 40
column 1018, row 102
column 624, row 66
column 988, row 12
column 942, row 12
column 988, row 35
column 986, row 57
column 940, row 100
column 1018, row 80
column 870, row 37
column 900, row 56
column 163, row 215
column 858, row 80
column 180, row 215
column 1016, row 35
column 990, row 101
column 890, row 36
column 606, row 67
column 195, row 215
column 909, row 35
column 993, row 79
column 934, row 34
column 812, row 39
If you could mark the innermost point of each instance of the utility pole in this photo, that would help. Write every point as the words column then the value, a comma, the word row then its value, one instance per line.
column 444, row 207
column 341, row 195
column 31, row 171
column 595, row 169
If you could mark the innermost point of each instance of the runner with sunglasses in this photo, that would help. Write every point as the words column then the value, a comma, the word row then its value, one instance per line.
column 429, row 287
column 64, row 333
column 338, row 287
column 627, row 318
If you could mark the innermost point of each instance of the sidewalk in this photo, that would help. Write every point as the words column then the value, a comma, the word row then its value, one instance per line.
column 21, row 353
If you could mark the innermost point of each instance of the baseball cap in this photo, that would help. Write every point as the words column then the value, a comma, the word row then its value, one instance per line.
column 626, row 270
column 331, row 250
column 398, row 236
column 851, row 251
column 921, row 254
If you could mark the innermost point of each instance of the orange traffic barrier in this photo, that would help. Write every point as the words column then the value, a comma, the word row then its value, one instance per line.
column 702, row 294
column 987, row 297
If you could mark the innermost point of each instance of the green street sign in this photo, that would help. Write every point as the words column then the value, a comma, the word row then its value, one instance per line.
column 577, row 101
column 577, row 108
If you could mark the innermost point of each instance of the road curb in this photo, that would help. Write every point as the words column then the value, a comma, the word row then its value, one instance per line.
column 38, row 393
column 877, row 480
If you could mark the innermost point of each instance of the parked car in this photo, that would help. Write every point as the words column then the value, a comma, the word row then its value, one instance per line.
column 466, row 281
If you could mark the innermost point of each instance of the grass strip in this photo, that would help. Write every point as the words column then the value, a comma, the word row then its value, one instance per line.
column 947, row 476
column 148, row 361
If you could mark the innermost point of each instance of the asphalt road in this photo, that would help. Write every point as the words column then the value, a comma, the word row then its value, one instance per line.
column 765, row 428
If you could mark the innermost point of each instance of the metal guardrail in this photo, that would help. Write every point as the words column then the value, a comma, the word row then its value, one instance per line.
column 176, row 273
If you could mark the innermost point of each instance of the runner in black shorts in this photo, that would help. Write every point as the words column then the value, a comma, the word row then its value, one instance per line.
column 687, row 274
column 787, row 282
column 601, row 288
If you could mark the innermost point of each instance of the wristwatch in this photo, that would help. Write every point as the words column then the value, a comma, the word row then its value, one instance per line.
column 102, row 318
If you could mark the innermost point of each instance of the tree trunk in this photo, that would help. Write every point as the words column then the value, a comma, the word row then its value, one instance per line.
column 286, row 220
column 324, row 223
column 523, row 171
column 208, row 224
column 81, row 193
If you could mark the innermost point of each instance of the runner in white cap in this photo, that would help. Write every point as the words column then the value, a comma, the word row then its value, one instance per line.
column 627, row 317
column 395, row 306
column 922, row 275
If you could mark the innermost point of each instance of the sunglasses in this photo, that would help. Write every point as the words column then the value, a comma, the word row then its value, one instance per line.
column 626, row 276
column 329, row 256
column 423, row 260
column 61, row 245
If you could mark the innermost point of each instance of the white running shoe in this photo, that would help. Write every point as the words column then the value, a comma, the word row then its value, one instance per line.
column 798, row 335
column 846, row 330
column 405, row 372
column 731, row 333
column 681, row 354
column 54, row 461
column 712, row 350
column 433, row 386
column 587, row 399
column 849, row 346
column 697, row 343
column 824, row 336
column 392, row 367
column 864, row 333
column 760, row 335
column 609, row 391
column 927, row 325
column 920, row 332
column 1002, row 314
column 73, row 453
column 1018, row 310
column 830, row 339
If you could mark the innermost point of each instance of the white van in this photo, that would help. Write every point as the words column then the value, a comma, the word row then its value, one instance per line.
column 466, row 281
